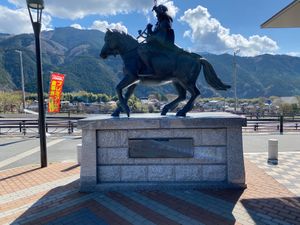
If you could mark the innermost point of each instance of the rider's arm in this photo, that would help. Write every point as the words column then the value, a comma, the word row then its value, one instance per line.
column 149, row 29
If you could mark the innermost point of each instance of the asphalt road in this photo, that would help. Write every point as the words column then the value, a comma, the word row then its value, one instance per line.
column 19, row 151
column 254, row 143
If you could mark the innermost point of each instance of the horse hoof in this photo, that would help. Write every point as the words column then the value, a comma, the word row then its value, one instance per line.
column 180, row 113
column 164, row 112
column 127, row 111
column 115, row 114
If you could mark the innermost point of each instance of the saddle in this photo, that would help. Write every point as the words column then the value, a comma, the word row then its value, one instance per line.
column 147, row 51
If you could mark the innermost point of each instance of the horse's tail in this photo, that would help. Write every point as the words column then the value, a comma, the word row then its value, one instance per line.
column 211, row 76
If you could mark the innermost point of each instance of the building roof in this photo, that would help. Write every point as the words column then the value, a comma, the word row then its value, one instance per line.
column 286, row 18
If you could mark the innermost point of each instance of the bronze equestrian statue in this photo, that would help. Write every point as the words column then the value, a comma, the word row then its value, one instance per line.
column 158, row 62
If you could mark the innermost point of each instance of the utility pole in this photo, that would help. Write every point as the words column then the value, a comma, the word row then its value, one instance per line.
column 22, row 79
column 234, row 77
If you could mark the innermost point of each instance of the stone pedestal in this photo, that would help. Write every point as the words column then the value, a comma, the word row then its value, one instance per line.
column 144, row 151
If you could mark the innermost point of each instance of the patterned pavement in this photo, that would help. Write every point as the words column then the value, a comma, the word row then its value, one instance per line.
column 287, row 172
column 30, row 195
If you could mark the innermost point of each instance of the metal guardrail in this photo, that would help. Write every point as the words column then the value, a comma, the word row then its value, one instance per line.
column 69, row 124
column 268, row 125
column 25, row 126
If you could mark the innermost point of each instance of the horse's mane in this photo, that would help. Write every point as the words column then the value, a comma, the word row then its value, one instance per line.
column 122, row 33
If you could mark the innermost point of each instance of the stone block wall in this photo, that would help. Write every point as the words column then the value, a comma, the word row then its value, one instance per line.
column 217, row 151
column 207, row 164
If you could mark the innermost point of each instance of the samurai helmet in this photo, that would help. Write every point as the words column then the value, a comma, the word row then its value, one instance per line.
column 160, row 9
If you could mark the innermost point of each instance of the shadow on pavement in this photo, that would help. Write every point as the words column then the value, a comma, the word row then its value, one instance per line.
column 11, row 143
column 281, row 210
column 50, row 204
column 20, row 174
column 70, row 168
column 284, row 210
column 65, row 205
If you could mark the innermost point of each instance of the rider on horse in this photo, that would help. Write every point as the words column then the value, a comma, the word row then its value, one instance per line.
column 163, row 32
column 161, row 38
column 168, row 63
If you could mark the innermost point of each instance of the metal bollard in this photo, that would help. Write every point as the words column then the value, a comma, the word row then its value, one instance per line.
column 273, row 151
column 281, row 124
column 24, row 128
column 69, row 127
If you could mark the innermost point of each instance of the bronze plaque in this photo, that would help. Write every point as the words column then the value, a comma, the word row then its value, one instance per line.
column 161, row 148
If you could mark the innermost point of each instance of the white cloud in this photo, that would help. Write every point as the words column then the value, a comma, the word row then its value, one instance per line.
column 76, row 9
column 18, row 21
column 77, row 26
column 295, row 54
column 208, row 34
column 103, row 25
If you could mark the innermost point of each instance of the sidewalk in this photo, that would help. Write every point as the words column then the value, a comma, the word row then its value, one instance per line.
column 30, row 195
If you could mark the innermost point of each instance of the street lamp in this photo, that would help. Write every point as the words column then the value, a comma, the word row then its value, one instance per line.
column 22, row 79
column 36, row 7
column 234, row 76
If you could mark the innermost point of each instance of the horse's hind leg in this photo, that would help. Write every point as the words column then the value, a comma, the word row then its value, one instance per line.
column 189, row 106
column 129, row 92
column 172, row 105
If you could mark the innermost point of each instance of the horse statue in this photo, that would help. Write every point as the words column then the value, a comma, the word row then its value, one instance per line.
column 170, row 65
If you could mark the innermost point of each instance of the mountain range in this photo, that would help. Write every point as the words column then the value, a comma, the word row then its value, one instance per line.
column 75, row 53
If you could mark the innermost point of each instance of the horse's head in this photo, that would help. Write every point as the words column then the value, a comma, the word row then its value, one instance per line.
column 117, row 42
column 111, row 44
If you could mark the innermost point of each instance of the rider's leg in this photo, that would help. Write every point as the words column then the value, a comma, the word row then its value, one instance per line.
column 146, row 55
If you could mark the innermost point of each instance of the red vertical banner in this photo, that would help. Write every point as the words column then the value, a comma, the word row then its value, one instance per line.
column 55, row 90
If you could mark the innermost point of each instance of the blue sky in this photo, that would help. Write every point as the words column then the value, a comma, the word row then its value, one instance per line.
column 215, row 26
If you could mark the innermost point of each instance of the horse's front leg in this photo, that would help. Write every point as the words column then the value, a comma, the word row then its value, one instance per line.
column 126, row 82
column 129, row 92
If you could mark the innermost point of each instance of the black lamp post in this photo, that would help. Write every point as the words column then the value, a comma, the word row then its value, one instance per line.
column 36, row 7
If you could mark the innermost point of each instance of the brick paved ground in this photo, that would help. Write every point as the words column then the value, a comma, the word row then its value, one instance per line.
column 287, row 172
column 29, row 195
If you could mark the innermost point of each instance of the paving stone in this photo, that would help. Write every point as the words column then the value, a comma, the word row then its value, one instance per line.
column 49, row 195
column 287, row 172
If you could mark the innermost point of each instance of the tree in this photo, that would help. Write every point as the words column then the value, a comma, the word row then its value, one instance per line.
column 10, row 101
column 103, row 98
